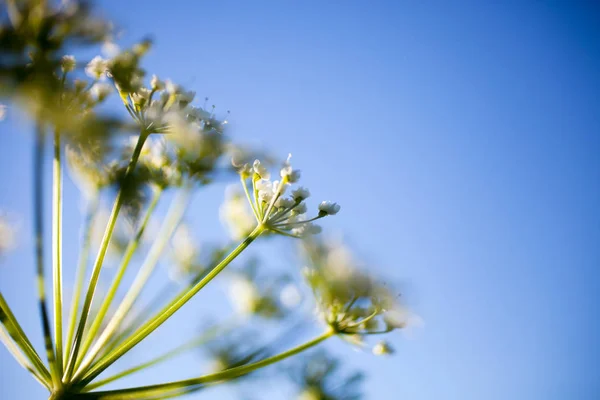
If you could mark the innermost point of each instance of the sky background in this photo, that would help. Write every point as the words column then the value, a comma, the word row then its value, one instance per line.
column 462, row 142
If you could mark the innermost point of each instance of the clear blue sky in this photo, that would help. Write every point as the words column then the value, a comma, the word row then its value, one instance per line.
column 463, row 143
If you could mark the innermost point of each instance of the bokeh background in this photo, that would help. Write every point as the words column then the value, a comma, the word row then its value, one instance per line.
column 462, row 140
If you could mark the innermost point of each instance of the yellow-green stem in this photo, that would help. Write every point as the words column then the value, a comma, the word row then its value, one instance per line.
column 57, row 250
column 112, row 291
column 167, row 388
column 81, row 270
column 168, row 310
column 100, row 260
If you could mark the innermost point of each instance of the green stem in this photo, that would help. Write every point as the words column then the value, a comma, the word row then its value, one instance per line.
column 171, row 222
column 191, row 344
column 21, row 359
column 81, row 269
column 38, row 198
column 100, row 259
column 167, row 388
column 168, row 310
column 129, row 251
column 57, row 250
column 15, row 331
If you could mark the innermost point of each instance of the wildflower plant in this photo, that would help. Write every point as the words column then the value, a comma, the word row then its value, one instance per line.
column 162, row 142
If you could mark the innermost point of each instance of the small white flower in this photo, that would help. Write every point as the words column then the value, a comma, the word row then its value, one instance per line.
column 284, row 202
column 68, row 63
column 156, row 84
column 383, row 348
column 328, row 208
column 261, row 170
column 306, row 229
column 2, row 111
column 171, row 87
column 290, row 296
column 110, row 49
column 300, row 194
column 100, row 90
column 300, row 208
column 96, row 68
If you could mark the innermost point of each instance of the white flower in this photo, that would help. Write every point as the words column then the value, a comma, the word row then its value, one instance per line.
column 288, row 173
column 284, row 202
column 7, row 234
column 236, row 215
column 300, row 194
column 2, row 111
column 100, row 90
column 96, row 68
column 110, row 49
column 156, row 84
column 171, row 87
column 383, row 348
column 261, row 170
column 244, row 295
column 68, row 63
column 300, row 208
column 328, row 208
column 290, row 296
column 306, row 229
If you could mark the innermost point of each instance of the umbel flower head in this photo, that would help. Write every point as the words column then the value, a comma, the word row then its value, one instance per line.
column 349, row 300
column 319, row 377
column 276, row 211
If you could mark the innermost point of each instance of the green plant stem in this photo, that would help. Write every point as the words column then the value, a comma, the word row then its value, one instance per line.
column 38, row 211
column 20, row 357
column 129, row 251
column 168, row 310
column 191, row 344
column 172, row 220
column 168, row 388
column 57, row 250
column 100, row 259
column 81, row 269
column 17, row 334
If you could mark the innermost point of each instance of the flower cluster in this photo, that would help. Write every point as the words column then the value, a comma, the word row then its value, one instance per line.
column 349, row 300
column 274, row 210
column 319, row 377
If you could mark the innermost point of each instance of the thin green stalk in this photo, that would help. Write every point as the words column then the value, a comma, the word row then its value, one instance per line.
column 81, row 269
column 172, row 220
column 38, row 211
column 57, row 250
column 167, row 388
column 142, row 314
column 191, row 344
column 112, row 291
column 168, row 310
column 21, row 359
column 15, row 331
column 100, row 259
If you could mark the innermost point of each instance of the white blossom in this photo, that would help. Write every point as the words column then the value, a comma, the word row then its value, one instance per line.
column 100, row 90
column 300, row 194
column 96, row 68
column 68, row 63
column 261, row 170
column 329, row 208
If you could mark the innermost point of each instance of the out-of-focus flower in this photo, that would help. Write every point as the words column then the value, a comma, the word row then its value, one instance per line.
column 253, row 294
column 383, row 348
column 349, row 300
column 68, row 63
column 236, row 214
column 319, row 377
column 96, row 68
column 7, row 234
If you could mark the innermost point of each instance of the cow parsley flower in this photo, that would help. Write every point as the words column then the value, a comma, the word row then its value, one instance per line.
column 96, row 68
column 272, row 209
column 349, row 300
column 68, row 63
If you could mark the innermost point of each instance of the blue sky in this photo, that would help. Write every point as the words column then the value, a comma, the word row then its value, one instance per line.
column 462, row 142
